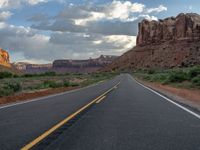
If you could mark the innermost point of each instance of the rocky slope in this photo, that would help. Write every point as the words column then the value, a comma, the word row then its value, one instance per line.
column 168, row 43
column 4, row 58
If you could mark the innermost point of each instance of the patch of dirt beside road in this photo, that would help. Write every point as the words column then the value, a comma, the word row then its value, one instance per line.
column 189, row 97
column 32, row 95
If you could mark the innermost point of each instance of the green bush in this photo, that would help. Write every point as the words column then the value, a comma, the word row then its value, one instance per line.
column 50, row 73
column 51, row 84
column 177, row 76
column 159, row 77
column 13, row 86
column 66, row 83
column 147, row 77
column 150, row 71
column 5, row 74
column 196, row 80
column 193, row 72
column 10, row 88
column 16, row 76
column 27, row 75
column 5, row 92
column 74, row 84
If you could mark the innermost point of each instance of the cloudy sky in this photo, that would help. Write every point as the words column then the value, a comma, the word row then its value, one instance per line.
column 40, row 31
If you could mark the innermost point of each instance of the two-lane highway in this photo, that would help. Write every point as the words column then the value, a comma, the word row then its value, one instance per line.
column 22, row 123
column 108, row 116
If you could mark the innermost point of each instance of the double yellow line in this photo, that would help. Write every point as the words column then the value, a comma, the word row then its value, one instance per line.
column 51, row 130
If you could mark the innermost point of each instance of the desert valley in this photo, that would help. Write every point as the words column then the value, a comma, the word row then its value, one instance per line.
column 99, row 75
column 167, row 53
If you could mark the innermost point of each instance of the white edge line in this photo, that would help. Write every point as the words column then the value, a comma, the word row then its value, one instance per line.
column 169, row 100
column 45, row 97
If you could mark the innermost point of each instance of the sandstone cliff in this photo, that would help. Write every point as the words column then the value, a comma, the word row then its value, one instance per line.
column 4, row 58
column 172, row 42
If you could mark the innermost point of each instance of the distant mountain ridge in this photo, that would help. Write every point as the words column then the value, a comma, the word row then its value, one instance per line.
column 168, row 43
column 68, row 65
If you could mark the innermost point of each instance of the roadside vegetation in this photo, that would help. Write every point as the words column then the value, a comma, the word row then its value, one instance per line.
column 11, row 84
column 180, row 77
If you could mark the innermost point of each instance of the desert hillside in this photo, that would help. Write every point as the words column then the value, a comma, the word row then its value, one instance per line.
column 168, row 43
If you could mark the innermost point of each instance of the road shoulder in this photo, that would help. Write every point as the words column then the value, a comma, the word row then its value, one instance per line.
column 187, row 97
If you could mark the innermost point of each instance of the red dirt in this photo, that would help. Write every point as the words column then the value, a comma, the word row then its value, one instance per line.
column 28, row 96
column 189, row 94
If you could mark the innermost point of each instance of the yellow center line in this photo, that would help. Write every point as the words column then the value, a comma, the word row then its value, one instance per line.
column 51, row 130
column 98, row 101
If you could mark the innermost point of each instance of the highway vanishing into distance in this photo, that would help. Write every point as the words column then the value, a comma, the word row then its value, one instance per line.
column 119, row 114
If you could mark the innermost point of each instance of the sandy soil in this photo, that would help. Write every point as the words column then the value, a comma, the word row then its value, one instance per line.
column 32, row 95
column 189, row 97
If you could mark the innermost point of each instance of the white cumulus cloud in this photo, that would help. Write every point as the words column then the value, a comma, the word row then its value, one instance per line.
column 5, row 15
column 10, row 4
column 157, row 9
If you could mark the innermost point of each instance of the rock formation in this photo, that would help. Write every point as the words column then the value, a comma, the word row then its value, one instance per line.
column 172, row 42
column 183, row 27
column 82, row 66
column 32, row 68
column 4, row 58
column 67, row 65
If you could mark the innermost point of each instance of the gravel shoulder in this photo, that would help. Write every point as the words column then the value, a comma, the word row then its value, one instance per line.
column 33, row 95
column 190, row 97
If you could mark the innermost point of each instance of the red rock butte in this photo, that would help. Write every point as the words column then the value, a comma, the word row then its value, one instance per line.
column 167, row 43
column 4, row 58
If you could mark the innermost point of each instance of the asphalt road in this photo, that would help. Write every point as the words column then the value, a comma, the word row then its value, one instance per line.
column 127, row 117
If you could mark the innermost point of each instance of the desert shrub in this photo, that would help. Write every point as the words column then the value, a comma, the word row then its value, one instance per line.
column 193, row 72
column 51, row 84
column 196, row 80
column 5, row 74
column 13, row 86
column 66, row 74
column 74, row 84
column 147, row 77
column 158, row 77
column 27, row 75
column 66, row 83
column 16, row 76
column 150, row 71
column 176, row 76
column 5, row 92
column 96, row 75
column 50, row 73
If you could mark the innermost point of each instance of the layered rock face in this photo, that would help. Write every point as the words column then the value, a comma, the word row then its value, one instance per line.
column 32, row 68
column 82, row 66
column 4, row 58
column 168, row 43
column 183, row 27
column 66, row 65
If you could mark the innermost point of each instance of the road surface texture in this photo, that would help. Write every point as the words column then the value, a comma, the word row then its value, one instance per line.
column 119, row 114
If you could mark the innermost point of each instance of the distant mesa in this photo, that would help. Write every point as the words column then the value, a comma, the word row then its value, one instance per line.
column 167, row 43
column 84, row 66
column 67, row 65
column 32, row 68
column 4, row 58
